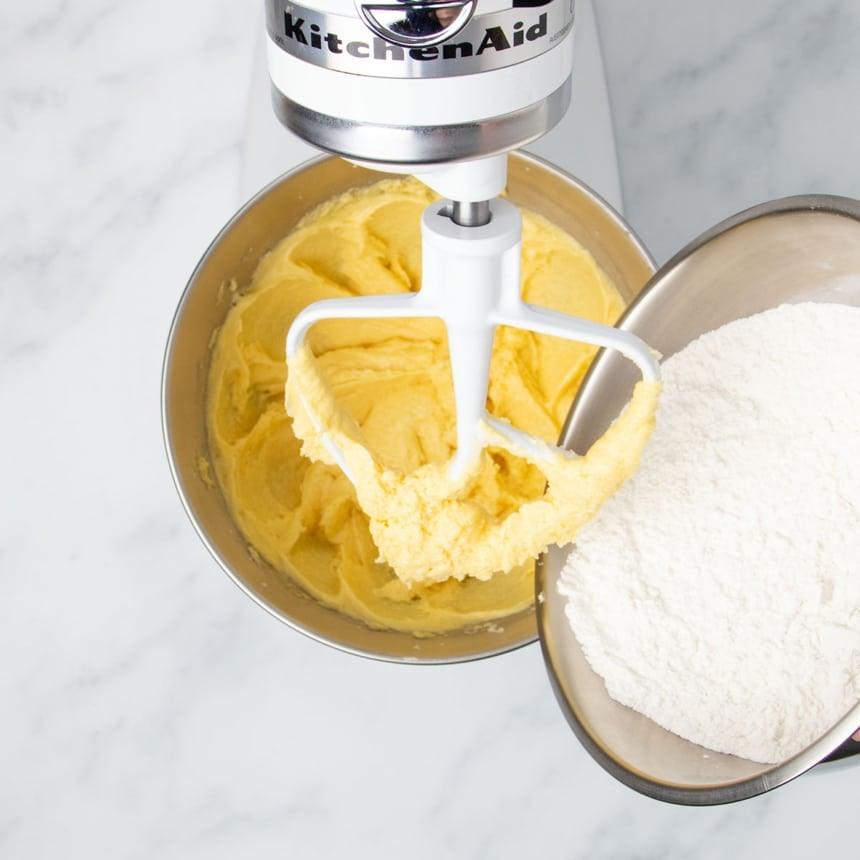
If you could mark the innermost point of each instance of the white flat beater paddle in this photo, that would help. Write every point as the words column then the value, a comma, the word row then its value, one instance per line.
column 471, row 281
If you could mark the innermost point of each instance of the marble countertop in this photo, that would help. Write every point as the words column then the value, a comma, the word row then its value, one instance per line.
column 148, row 708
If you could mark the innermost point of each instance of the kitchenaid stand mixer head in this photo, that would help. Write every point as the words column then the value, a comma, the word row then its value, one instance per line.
column 443, row 91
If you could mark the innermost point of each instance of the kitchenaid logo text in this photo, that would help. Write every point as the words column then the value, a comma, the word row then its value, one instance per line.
column 497, row 38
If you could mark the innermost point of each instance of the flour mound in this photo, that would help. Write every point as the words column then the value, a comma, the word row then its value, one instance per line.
column 718, row 591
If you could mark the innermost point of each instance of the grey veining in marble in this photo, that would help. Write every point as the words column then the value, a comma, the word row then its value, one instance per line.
column 719, row 107
column 147, row 708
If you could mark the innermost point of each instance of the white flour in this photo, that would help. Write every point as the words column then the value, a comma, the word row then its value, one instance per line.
column 719, row 591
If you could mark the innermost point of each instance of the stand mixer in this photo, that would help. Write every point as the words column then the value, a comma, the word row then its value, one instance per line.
column 444, row 91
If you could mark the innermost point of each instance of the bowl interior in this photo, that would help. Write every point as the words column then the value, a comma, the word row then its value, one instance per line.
column 234, row 255
column 792, row 250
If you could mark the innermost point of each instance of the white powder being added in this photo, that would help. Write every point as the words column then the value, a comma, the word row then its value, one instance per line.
column 718, row 592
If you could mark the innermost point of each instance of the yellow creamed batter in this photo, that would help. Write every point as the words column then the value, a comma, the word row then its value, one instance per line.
column 393, row 378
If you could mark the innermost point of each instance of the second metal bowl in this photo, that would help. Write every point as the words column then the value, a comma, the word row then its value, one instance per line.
column 798, row 249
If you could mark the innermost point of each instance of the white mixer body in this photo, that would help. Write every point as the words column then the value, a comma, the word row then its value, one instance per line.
column 420, row 83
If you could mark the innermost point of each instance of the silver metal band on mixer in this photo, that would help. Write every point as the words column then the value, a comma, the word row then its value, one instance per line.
column 378, row 143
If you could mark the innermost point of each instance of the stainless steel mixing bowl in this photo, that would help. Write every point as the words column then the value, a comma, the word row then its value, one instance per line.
column 233, row 255
column 802, row 248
